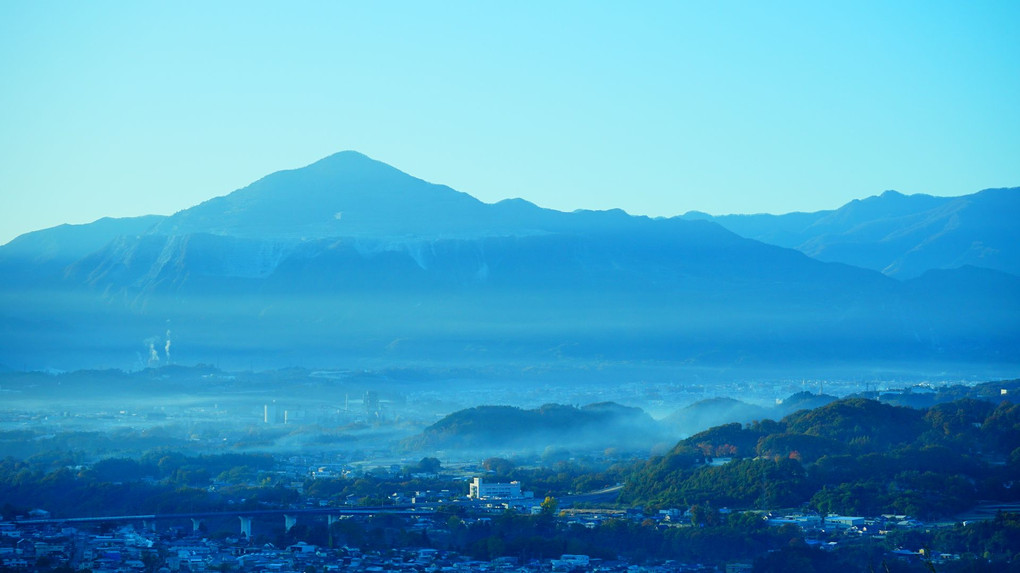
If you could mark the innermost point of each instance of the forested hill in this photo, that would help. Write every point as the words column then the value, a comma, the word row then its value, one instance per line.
column 507, row 427
column 853, row 456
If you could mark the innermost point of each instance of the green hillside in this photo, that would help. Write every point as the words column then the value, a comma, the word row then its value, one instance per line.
column 853, row 456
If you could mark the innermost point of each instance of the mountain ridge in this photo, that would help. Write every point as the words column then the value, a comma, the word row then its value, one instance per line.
column 415, row 271
column 900, row 235
column 810, row 233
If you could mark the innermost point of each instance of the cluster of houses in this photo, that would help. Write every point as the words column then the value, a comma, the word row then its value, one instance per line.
column 813, row 522
column 876, row 527
column 135, row 547
column 128, row 549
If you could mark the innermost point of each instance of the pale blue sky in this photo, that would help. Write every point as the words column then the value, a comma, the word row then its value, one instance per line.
column 129, row 108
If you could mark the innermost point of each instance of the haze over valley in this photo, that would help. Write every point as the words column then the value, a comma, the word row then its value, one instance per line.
column 347, row 340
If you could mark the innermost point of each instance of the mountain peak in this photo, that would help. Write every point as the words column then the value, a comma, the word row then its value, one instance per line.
column 350, row 161
column 347, row 154
column 346, row 194
column 341, row 169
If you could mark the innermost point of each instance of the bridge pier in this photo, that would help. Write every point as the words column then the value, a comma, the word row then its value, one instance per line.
column 196, row 524
column 330, row 520
column 149, row 524
column 245, row 526
column 289, row 521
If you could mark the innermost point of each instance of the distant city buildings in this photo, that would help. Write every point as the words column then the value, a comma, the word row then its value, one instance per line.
column 371, row 401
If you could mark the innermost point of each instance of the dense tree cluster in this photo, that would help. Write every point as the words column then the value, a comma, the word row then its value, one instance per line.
column 542, row 537
column 558, row 478
column 159, row 482
column 853, row 456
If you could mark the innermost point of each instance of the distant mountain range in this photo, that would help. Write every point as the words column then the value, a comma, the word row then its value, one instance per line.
column 899, row 235
column 350, row 261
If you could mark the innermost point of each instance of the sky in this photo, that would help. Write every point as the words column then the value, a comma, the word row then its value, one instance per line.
column 130, row 108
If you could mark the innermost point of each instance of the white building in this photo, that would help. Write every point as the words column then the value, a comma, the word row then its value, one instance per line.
column 569, row 562
column 502, row 491
column 844, row 521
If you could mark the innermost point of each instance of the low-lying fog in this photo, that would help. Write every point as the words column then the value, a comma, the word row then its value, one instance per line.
column 407, row 412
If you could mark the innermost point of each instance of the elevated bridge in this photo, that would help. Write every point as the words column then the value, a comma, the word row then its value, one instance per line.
column 290, row 516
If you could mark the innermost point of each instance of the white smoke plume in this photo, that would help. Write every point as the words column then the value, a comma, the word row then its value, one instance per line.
column 166, row 348
column 153, row 354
